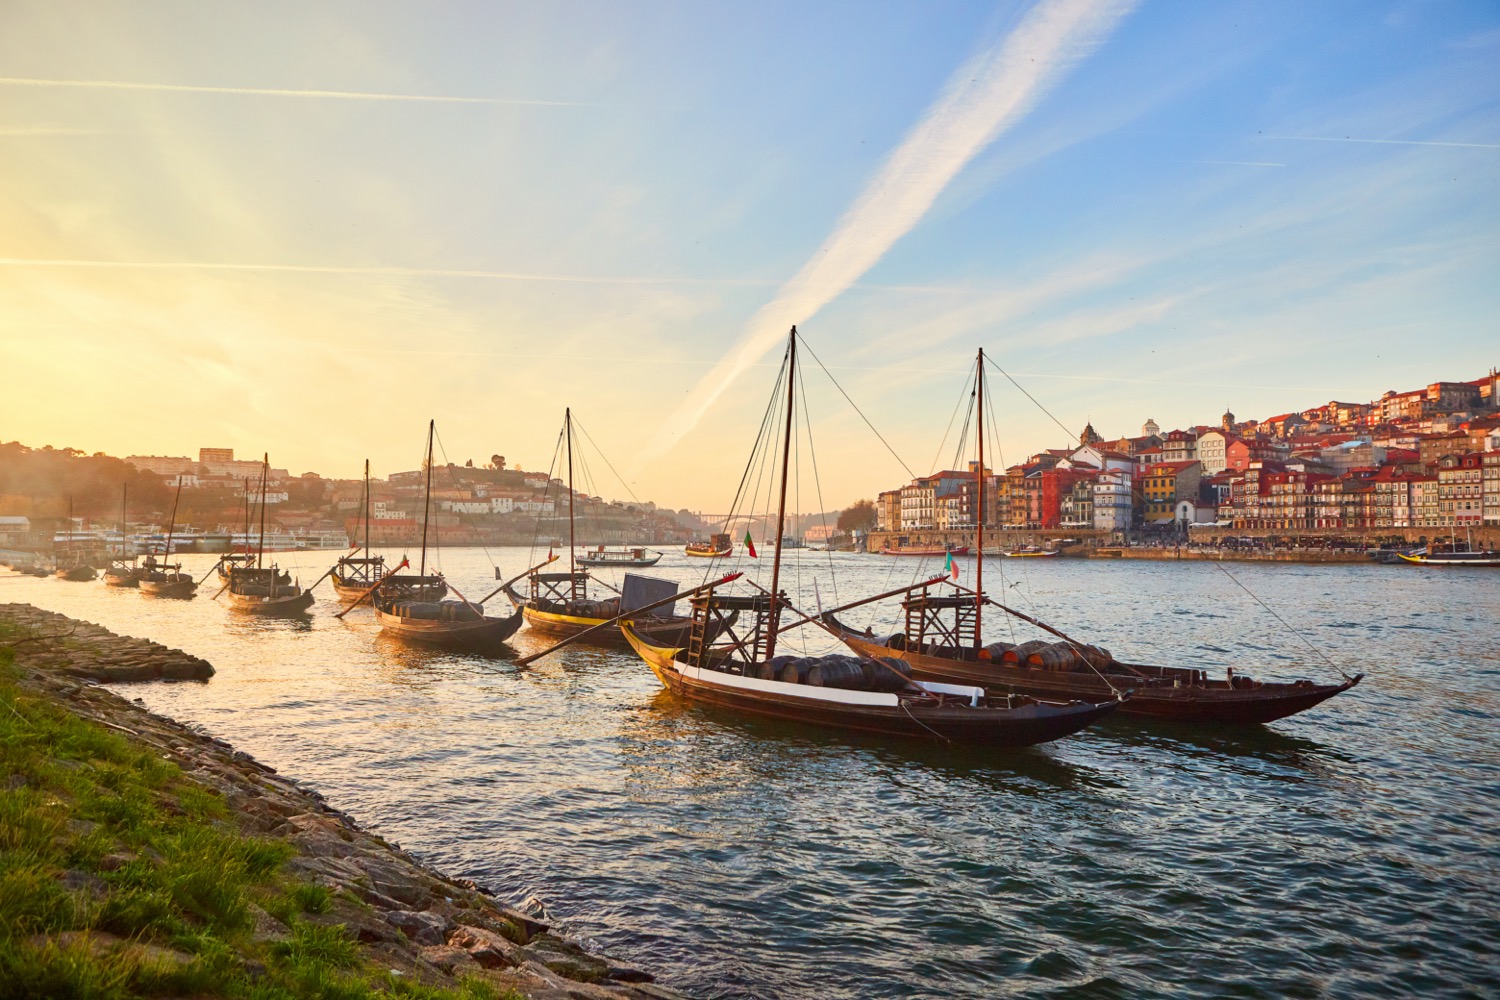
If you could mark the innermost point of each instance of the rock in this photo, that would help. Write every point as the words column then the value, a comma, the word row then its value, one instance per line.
column 625, row 974
column 448, row 958
column 567, row 959
column 489, row 949
column 422, row 927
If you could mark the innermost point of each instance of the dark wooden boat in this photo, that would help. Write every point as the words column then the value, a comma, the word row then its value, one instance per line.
column 717, row 547
column 70, row 563
column 941, row 641
column 925, row 551
column 551, row 611
column 260, row 589
column 163, row 579
column 77, row 572
column 632, row 558
column 414, row 608
column 860, row 694
column 230, row 561
column 559, row 604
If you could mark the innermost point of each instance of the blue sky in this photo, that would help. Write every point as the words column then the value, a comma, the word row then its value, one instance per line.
column 306, row 228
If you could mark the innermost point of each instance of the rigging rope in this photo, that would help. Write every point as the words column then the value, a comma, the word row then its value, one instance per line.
column 1283, row 621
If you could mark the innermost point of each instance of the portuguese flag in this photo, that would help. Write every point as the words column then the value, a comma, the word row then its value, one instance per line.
column 750, row 544
column 952, row 567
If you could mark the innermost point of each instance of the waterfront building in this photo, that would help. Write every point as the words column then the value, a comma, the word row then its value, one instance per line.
column 1114, row 503
column 1179, row 446
column 1165, row 483
column 888, row 511
column 1489, row 488
column 1067, row 492
column 1424, row 502
column 1213, row 450
column 1460, row 482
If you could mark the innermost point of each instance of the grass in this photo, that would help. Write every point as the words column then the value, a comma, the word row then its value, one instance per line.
column 121, row 878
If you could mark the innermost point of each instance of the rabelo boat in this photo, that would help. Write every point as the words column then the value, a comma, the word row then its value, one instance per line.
column 261, row 589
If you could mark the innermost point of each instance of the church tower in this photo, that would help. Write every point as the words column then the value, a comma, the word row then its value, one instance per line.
column 1149, row 428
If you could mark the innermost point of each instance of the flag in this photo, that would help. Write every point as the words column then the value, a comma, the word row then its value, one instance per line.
column 750, row 544
column 952, row 567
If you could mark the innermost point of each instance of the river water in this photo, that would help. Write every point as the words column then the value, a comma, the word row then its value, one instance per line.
column 1350, row 851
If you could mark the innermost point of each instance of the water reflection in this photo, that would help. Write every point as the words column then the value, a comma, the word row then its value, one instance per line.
column 744, row 857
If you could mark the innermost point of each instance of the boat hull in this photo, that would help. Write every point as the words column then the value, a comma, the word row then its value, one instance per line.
column 179, row 589
column 702, row 552
column 626, row 563
column 124, row 580
column 1475, row 559
column 1163, row 697
column 863, row 712
column 928, row 553
column 488, row 635
column 661, row 632
column 291, row 604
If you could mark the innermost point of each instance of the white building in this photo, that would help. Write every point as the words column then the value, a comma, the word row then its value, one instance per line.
column 1112, row 499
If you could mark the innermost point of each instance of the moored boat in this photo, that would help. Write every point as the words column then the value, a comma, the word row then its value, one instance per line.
column 941, row 640
column 742, row 672
column 924, row 550
column 1452, row 556
column 261, row 589
column 164, row 579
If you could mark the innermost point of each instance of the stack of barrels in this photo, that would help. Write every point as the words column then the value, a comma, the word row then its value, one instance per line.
column 1060, row 656
column 850, row 673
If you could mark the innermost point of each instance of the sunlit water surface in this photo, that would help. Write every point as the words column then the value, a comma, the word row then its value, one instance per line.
column 1353, row 850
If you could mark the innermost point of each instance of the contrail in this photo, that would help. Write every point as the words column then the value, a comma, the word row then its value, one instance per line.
column 1383, row 142
column 342, row 95
column 984, row 98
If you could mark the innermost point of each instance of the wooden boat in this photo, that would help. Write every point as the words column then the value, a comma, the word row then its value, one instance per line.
column 122, row 570
column 1030, row 552
column 941, row 641
column 551, row 611
column 414, row 608
column 559, row 603
column 70, row 563
column 929, row 551
column 77, row 572
column 354, row 574
column 717, row 547
column 1432, row 556
column 261, row 589
column 163, row 579
column 857, row 694
column 633, row 558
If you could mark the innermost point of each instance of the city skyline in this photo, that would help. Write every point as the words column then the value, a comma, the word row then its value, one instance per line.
column 257, row 223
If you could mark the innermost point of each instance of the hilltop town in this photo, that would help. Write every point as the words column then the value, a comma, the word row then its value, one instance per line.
column 488, row 504
column 1401, row 465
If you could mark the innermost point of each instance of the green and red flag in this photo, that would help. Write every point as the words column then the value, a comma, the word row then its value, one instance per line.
column 750, row 544
column 952, row 567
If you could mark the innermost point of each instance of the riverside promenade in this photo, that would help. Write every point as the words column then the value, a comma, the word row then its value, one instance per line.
column 328, row 902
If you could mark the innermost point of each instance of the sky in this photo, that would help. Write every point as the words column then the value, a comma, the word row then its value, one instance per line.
column 305, row 229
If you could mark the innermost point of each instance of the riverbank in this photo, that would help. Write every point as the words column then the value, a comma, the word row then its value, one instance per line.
column 161, row 861
column 1186, row 553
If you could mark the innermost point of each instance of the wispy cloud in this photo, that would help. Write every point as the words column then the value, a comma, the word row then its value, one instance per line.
column 40, row 130
column 341, row 95
column 987, row 96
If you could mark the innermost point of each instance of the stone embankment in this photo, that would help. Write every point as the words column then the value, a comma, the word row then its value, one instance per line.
column 408, row 917
column 1190, row 554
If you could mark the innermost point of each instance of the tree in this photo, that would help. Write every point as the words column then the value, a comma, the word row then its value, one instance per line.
column 860, row 517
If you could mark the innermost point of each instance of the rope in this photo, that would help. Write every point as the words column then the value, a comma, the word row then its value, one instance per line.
column 1283, row 621
column 857, row 410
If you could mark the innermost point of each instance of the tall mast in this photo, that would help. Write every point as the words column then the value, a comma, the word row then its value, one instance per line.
column 427, row 498
column 172, row 524
column 124, row 493
column 979, row 514
column 786, row 454
column 367, row 508
column 260, row 547
column 246, row 492
column 572, row 569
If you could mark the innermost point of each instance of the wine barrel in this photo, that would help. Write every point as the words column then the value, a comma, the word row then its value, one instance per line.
column 1058, row 656
column 886, row 674
column 794, row 671
column 838, row 672
column 1019, row 653
column 996, row 650
column 770, row 670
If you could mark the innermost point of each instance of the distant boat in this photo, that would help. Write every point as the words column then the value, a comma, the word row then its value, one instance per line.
column 618, row 557
column 929, row 551
column 559, row 603
column 70, row 563
column 717, row 547
column 1030, row 552
column 414, row 609
column 265, row 590
column 1430, row 556
column 163, row 579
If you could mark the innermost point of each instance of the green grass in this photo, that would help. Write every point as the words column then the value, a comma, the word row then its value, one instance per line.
column 121, row 878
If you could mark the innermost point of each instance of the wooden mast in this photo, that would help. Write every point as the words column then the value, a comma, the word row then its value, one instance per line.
column 260, row 547
column 979, row 514
column 427, row 498
column 124, row 493
column 172, row 524
column 572, row 569
column 786, row 453
column 367, row 508
column 246, row 492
